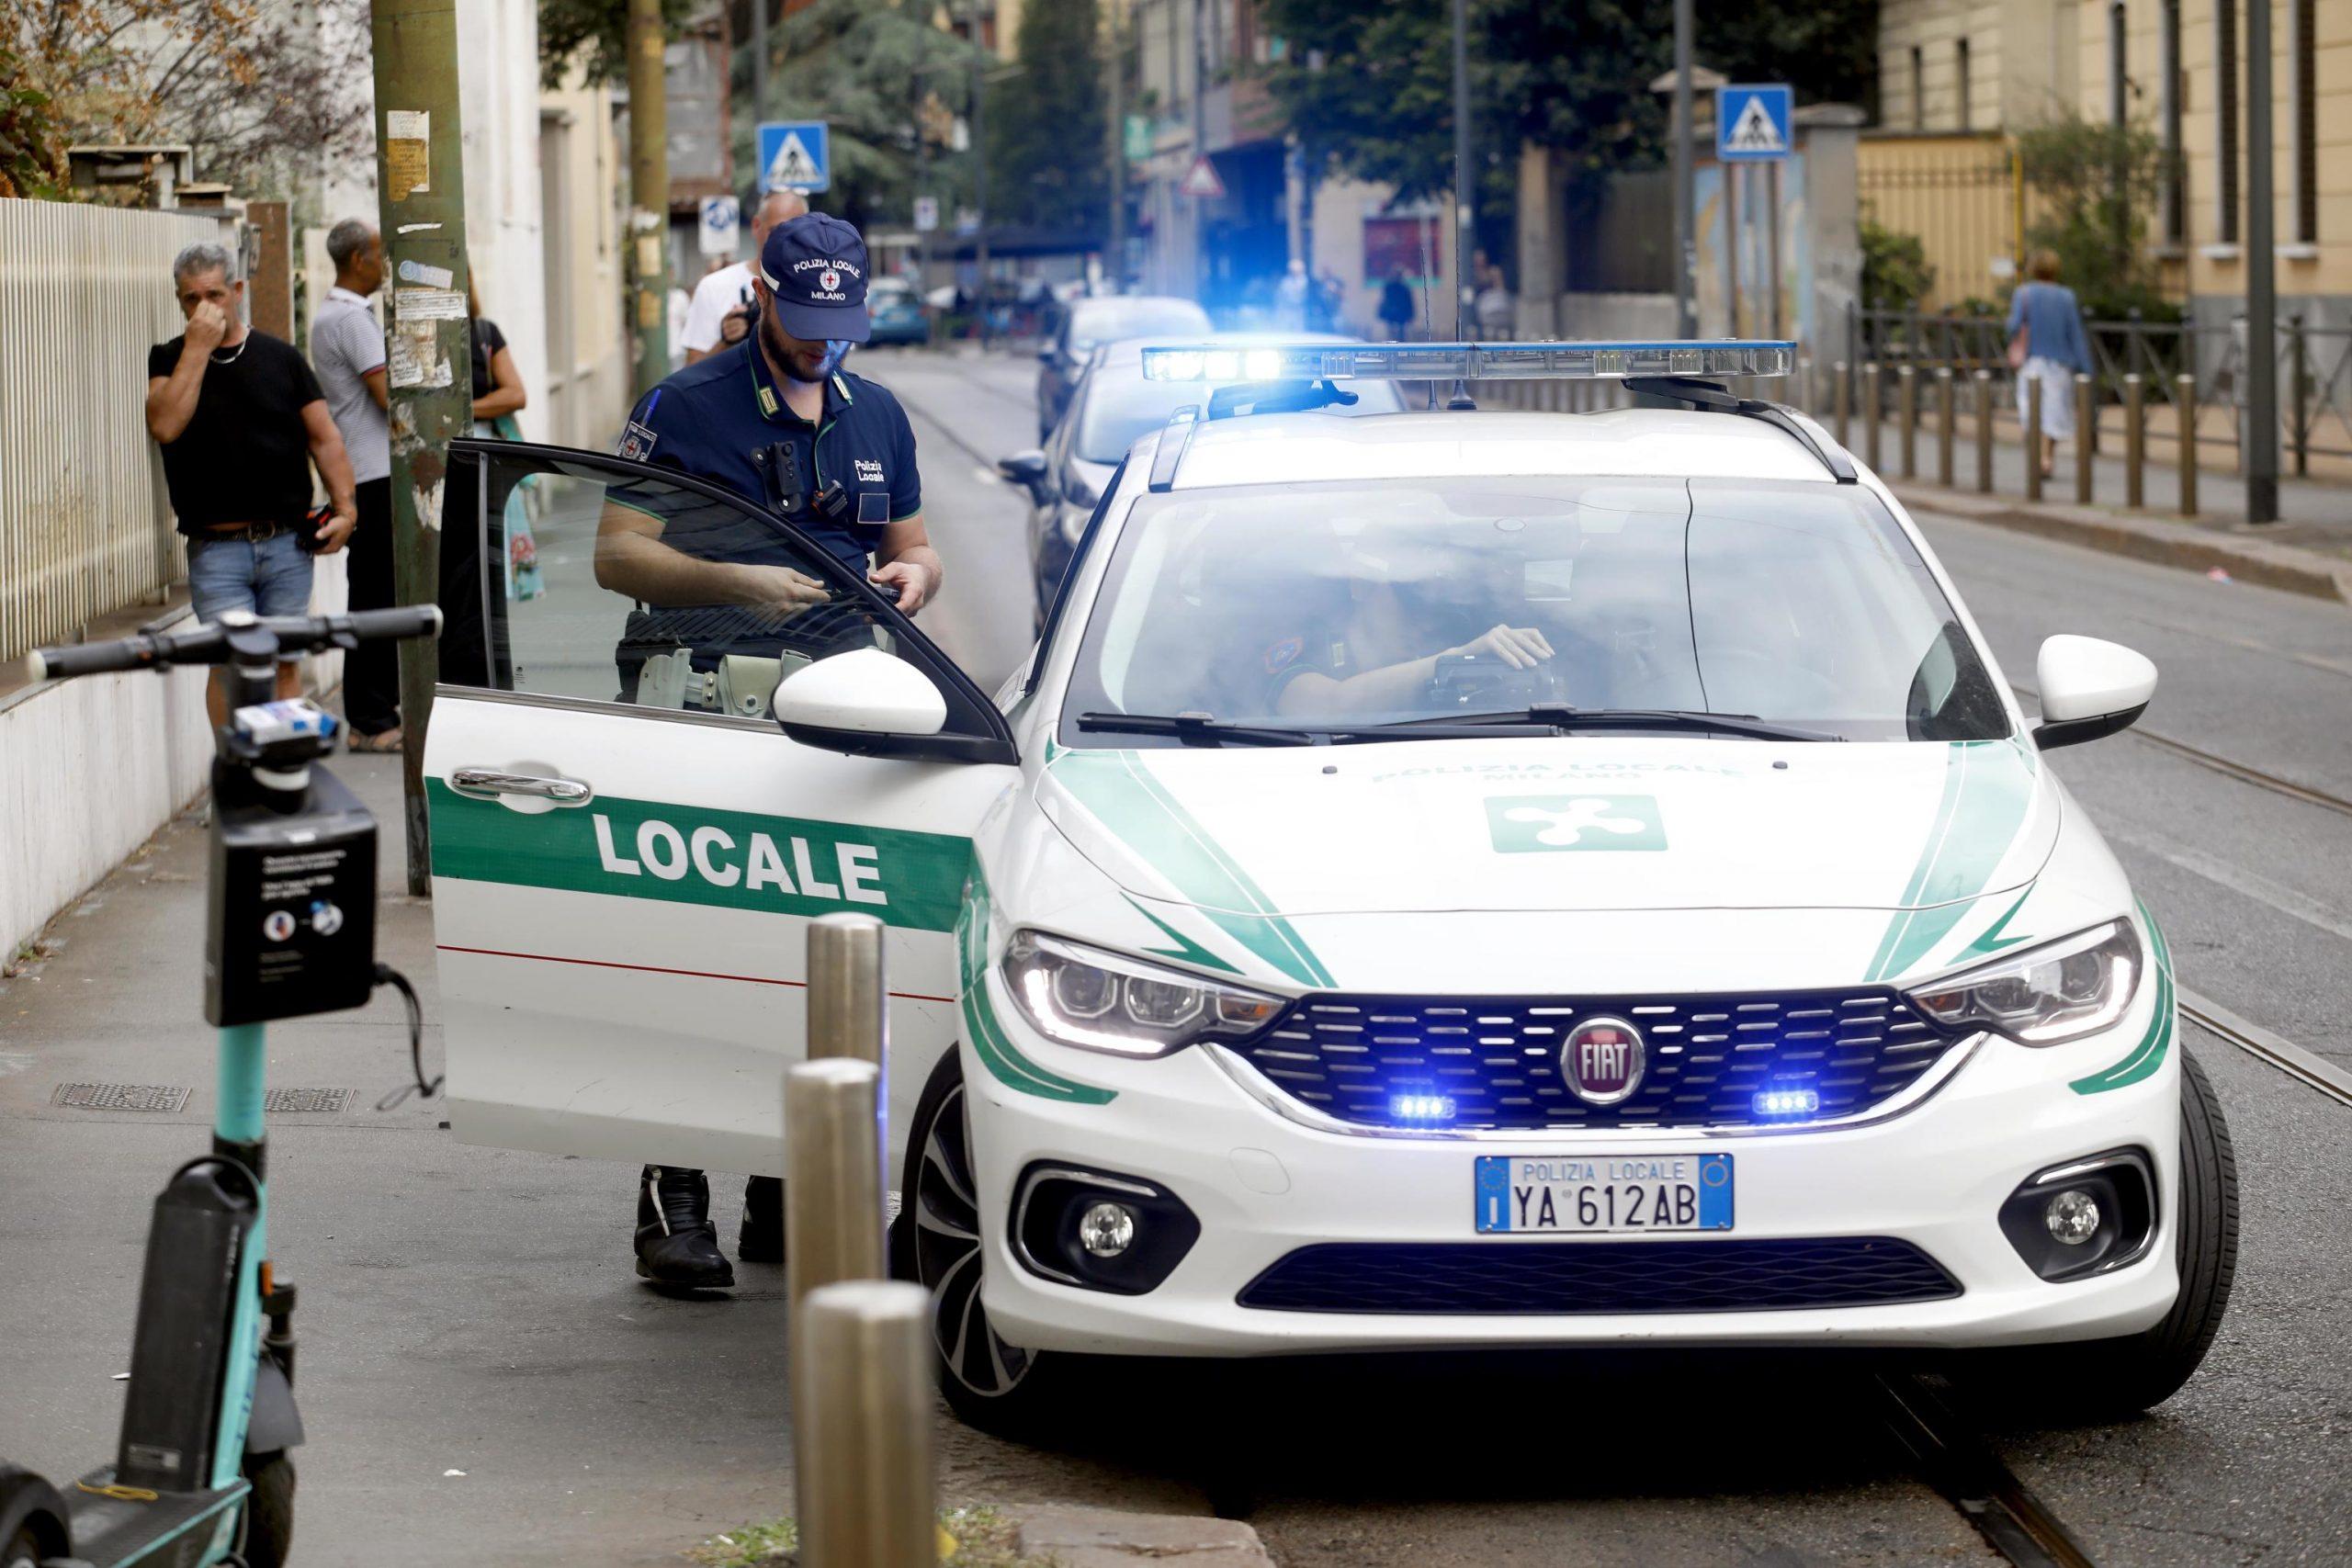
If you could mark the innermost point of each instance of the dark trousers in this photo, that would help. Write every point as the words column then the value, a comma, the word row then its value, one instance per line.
column 371, row 672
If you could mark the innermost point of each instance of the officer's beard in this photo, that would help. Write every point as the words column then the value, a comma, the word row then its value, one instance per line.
column 802, row 362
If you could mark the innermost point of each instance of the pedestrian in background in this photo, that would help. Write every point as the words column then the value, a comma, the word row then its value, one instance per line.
column 242, row 421
column 1396, row 306
column 348, row 352
column 2047, row 344
column 1497, row 311
column 720, row 315
column 474, row 650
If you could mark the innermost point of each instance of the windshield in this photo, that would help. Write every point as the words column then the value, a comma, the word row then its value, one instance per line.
column 1349, row 605
column 1121, row 407
column 1101, row 321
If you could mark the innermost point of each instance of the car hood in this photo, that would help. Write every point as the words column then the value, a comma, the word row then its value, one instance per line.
column 1573, row 824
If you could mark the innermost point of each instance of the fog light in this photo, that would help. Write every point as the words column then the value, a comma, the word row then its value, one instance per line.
column 2071, row 1216
column 1106, row 1230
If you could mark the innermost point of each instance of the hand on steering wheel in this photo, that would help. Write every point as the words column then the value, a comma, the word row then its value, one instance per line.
column 1520, row 647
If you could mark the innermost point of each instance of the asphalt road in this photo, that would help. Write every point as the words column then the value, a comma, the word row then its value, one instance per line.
column 473, row 1311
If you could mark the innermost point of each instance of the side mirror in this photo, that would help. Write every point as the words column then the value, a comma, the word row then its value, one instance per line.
column 2089, row 688
column 1050, row 355
column 1026, row 470
column 858, row 701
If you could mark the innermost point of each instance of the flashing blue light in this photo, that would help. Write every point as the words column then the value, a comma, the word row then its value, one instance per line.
column 1787, row 1103
column 1421, row 1108
column 1547, row 361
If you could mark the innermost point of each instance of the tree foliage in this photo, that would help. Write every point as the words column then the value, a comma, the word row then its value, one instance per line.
column 260, row 90
column 1049, row 153
column 1896, row 271
column 593, row 33
column 2096, row 184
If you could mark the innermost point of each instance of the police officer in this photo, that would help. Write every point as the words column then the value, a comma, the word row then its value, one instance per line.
column 776, row 420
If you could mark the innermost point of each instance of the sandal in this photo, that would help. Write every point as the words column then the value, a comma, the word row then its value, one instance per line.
column 378, row 744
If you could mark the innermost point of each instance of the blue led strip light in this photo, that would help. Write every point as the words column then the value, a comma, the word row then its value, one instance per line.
column 1467, row 361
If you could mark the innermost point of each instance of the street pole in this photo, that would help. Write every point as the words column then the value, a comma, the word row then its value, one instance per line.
column 420, row 178
column 1464, row 213
column 980, row 175
column 1200, row 134
column 923, row 189
column 759, row 72
column 2261, row 279
column 1118, row 155
column 1686, row 256
column 648, row 175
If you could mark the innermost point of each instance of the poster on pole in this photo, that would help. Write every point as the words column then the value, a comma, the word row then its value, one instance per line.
column 721, row 218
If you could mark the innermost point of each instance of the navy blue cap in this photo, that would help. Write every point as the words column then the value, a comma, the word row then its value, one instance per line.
column 815, row 267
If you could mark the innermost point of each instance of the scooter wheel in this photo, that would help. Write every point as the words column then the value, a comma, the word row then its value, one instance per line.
column 269, row 1511
column 32, row 1519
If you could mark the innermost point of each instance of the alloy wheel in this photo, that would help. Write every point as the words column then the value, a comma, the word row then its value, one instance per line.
column 947, row 1260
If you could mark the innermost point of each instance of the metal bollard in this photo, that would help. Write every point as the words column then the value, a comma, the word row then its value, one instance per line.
column 1984, row 380
column 848, row 1014
column 2134, row 440
column 862, row 1444
column 1805, row 384
column 1943, row 425
column 2086, row 435
column 832, row 1189
column 1870, row 411
column 1842, row 398
column 1906, row 419
column 2184, row 401
column 2033, row 438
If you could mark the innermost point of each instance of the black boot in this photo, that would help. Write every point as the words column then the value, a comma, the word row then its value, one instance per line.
column 675, row 1242
column 761, row 1239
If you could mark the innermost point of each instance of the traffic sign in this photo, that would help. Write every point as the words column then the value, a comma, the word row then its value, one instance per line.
column 926, row 214
column 796, row 154
column 1753, row 122
column 1137, row 138
column 720, row 219
column 1201, row 181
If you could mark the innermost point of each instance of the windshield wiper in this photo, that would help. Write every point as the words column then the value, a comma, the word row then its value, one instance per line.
column 1200, row 730
column 1561, row 716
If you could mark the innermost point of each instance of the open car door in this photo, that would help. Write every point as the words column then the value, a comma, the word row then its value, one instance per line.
column 626, row 846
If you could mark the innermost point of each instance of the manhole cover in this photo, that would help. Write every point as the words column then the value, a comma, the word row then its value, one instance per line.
column 325, row 1101
column 120, row 1097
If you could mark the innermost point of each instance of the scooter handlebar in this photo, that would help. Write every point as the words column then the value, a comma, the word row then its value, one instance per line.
column 211, row 644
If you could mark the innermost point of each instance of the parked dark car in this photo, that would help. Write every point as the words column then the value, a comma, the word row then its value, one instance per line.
column 1088, row 321
column 1110, row 409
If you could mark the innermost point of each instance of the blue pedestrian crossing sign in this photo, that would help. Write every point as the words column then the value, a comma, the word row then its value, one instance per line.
column 1753, row 123
column 796, row 154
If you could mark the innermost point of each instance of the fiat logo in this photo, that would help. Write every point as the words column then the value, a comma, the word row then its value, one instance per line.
column 1602, row 1060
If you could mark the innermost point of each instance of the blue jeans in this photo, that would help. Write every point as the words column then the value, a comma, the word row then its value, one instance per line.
column 271, row 577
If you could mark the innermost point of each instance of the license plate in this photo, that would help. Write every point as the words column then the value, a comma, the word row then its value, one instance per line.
column 1604, row 1194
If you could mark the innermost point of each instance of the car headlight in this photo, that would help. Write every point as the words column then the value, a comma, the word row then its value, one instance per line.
column 1105, row 1001
column 2044, row 995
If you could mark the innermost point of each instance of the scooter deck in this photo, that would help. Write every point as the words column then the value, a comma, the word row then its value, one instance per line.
column 172, row 1531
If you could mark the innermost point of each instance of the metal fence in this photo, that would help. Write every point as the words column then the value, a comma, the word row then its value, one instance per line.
column 84, row 525
column 2315, row 371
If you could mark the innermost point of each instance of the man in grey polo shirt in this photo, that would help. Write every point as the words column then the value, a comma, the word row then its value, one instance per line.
column 348, row 352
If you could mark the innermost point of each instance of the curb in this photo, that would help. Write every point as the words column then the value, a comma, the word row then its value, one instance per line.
column 1073, row 1537
column 2182, row 546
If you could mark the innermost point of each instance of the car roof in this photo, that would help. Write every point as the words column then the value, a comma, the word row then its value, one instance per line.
column 1635, row 443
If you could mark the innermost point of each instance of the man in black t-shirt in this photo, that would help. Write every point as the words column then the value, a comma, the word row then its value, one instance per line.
column 240, row 419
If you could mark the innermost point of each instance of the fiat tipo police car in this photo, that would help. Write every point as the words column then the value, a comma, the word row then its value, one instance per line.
column 1442, row 879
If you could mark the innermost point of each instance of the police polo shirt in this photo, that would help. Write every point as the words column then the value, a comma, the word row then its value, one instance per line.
column 713, row 419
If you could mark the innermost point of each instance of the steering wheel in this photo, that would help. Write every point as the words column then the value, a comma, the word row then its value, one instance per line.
column 1478, row 683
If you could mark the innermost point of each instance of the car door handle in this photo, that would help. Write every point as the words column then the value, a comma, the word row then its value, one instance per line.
column 484, row 782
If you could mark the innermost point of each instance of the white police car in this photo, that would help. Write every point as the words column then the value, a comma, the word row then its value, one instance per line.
column 1443, row 879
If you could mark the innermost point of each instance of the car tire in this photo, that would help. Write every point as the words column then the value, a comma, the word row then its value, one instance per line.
column 269, row 1511
column 32, row 1519
column 2110, row 1379
column 991, row 1384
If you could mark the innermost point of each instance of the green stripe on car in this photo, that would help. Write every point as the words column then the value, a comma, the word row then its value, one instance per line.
column 1987, row 791
column 989, row 1042
column 2146, row 1056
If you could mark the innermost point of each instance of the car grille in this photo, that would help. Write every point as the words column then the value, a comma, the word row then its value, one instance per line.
column 1497, row 1060
column 1599, row 1277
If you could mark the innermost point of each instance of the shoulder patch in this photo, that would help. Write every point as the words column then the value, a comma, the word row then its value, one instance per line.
column 1282, row 655
column 637, row 442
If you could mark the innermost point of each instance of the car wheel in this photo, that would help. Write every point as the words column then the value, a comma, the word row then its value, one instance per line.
column 992, row 1385
column 2117, row 1379
column 32, row 1519
column 269, row 1511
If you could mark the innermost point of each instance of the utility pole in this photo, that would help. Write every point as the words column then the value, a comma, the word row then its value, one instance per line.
column 1200, row 137
column 1464, row 209
column 759, row 74
column 648, row 175
column 420, row 186
column 922, row 184
column 1686, row 256
column 1118, row 154
column 981, row 173
column 2261, row 278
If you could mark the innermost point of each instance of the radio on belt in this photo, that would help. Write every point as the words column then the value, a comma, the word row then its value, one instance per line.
column 292, row 926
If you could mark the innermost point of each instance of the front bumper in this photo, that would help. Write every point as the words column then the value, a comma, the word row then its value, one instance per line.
column 1263, row 1185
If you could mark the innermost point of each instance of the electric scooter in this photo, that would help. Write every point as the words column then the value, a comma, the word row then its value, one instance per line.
column 202, row 1475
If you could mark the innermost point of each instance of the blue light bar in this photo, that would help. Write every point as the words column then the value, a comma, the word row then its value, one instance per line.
column 1787, row 1103
column 1424, row 1108
column 1467, row 361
